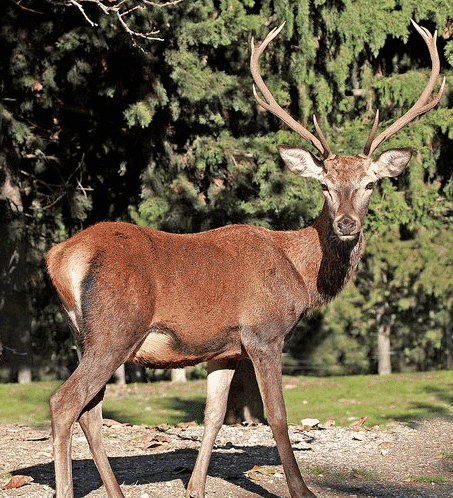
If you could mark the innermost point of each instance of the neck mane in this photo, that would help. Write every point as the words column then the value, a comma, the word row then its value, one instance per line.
column 339, row 258
column 325, row 262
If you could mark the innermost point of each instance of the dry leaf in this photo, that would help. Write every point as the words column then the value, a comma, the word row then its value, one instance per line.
column 263, row 469
column 359, row 423
column 329, row 423
column 18, row 482
column 185, row 425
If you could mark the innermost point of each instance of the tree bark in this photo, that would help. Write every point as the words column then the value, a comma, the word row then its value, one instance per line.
column 384, row 346
column 244, row 399
column 119, row 377
column 15, row 292
column 178, row 375
column 448, row 343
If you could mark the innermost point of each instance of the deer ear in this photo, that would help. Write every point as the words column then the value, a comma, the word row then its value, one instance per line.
column 301, row 162
column 391, row 162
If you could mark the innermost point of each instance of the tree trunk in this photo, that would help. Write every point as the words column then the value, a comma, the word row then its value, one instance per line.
column 119, row 377
column 15, row 293
column 384, row 352
column 178, row 375
column 448, row 343
column 384, row 349
column 244, row 399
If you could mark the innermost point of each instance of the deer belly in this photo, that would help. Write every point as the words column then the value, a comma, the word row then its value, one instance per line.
column 163, row 348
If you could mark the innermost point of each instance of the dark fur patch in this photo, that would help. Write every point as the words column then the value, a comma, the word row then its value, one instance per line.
column 87, row 292
column 88, row 287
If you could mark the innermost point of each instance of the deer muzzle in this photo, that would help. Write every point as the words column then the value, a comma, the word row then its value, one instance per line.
column 347, row 227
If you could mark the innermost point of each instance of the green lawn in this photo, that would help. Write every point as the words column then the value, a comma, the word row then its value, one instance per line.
column 383, row 399
column 398, row 397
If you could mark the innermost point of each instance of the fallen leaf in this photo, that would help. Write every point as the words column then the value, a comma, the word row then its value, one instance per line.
column 263, row 469
column 359, row 424
column 329, row 423
column 161, row 427
column 18, row 482
column 184, row 425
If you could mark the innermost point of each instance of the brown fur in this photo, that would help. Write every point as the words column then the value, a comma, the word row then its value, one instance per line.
column 167, row 300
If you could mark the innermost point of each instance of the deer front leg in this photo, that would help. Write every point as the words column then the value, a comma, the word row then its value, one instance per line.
column 267, row 365
column 220, row 375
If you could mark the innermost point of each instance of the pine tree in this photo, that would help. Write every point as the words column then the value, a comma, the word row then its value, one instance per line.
column 101, row 124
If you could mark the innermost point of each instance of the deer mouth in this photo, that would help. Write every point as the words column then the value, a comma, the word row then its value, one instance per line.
column 348, row 238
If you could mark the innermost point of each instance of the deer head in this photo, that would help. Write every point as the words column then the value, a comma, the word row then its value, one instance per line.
column 347, row 181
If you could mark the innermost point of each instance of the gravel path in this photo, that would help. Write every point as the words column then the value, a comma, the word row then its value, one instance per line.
column 395, row 461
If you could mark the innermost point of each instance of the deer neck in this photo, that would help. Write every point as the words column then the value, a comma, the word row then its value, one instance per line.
column 339, row 258
column 324, row 262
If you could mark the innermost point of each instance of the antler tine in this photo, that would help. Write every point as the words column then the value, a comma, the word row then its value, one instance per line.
column 270, row 104
column 421, row 106
column 327, row 152
column 366, row 149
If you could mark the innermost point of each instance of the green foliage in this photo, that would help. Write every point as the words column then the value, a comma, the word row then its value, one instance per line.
column 170, row 136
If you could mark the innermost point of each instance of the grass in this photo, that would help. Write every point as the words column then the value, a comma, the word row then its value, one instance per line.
column 321, row 471
column 428, row 479
column 383, row 399
column 26, row 403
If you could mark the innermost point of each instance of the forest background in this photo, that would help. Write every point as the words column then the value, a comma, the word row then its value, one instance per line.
column 143, row 111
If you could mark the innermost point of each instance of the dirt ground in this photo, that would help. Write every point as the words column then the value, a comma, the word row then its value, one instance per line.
column 395, row 461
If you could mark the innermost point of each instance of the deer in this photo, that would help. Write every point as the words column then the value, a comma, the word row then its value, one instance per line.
column 166, row 300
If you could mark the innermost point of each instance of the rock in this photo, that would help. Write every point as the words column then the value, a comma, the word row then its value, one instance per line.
column 310, row 422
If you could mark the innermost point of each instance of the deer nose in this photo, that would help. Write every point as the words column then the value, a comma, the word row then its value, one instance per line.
column 346, row 225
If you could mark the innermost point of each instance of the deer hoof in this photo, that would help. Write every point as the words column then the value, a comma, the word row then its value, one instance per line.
column 195, row 493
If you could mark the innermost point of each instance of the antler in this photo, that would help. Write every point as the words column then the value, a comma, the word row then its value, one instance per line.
column 270, row 103
column 421, row 106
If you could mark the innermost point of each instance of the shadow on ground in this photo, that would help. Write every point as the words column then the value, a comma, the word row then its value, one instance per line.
column 161, row 467
column 231, row 467
column 439, row 406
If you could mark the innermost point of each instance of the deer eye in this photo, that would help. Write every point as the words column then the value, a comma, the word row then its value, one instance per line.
column 324, row 187
column 369, row 186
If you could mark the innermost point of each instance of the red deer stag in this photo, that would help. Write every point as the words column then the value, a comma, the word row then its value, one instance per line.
column 166, row 300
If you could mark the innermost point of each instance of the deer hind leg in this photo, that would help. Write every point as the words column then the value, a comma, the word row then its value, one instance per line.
column 68, row 404
column 267, row 363
column 220, row 375
column 91, row 422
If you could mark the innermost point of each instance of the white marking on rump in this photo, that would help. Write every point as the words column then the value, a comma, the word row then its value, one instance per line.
column 78, row 265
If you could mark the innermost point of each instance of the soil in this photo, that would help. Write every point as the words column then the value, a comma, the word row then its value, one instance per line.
column 399, row 460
